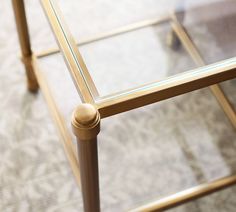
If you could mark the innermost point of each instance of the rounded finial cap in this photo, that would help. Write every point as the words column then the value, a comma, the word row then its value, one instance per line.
column 85, row 114
column 86, row 121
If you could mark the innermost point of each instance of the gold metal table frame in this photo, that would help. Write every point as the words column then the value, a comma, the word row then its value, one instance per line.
column 87, row 116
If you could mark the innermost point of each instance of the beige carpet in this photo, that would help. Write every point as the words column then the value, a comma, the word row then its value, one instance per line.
column 144, row 154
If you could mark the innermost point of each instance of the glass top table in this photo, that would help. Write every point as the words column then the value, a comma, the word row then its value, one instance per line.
column 148, row 50
column 145, row 51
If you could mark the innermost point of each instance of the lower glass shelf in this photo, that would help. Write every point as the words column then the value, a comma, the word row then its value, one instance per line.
column 154, row 151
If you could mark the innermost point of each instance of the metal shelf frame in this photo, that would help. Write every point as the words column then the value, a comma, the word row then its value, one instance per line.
column 86, row 118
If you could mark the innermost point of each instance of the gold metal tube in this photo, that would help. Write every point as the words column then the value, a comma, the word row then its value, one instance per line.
column 23, row 35
column 22, row 28
column 192, row 49
column 225, row 104
column 115, row 32
column 76, row 66
column 59, row 121
column 86, row 126
column 187, row 195
column 170, row 87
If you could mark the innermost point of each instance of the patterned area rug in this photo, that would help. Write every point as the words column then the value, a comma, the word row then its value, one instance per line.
column 144, row 154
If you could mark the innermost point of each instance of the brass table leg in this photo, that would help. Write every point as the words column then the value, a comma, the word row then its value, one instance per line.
column 23, row 34
column 86, row 126
column 193, row 51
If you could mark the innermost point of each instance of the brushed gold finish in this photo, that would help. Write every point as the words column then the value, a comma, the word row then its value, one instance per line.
column 85, row 114
column 112, row 33
column 23, row 35
column 170, row 87
column 66, row 138
column 76, row 66
column 86, row 121
column 86, row 117
column 195, row 54
column 187, row 195
column 133, row 98
column 225, row 104
column 86, row 126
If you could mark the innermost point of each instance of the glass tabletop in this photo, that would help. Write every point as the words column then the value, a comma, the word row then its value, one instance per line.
column 133, row 43
column 141, row 151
